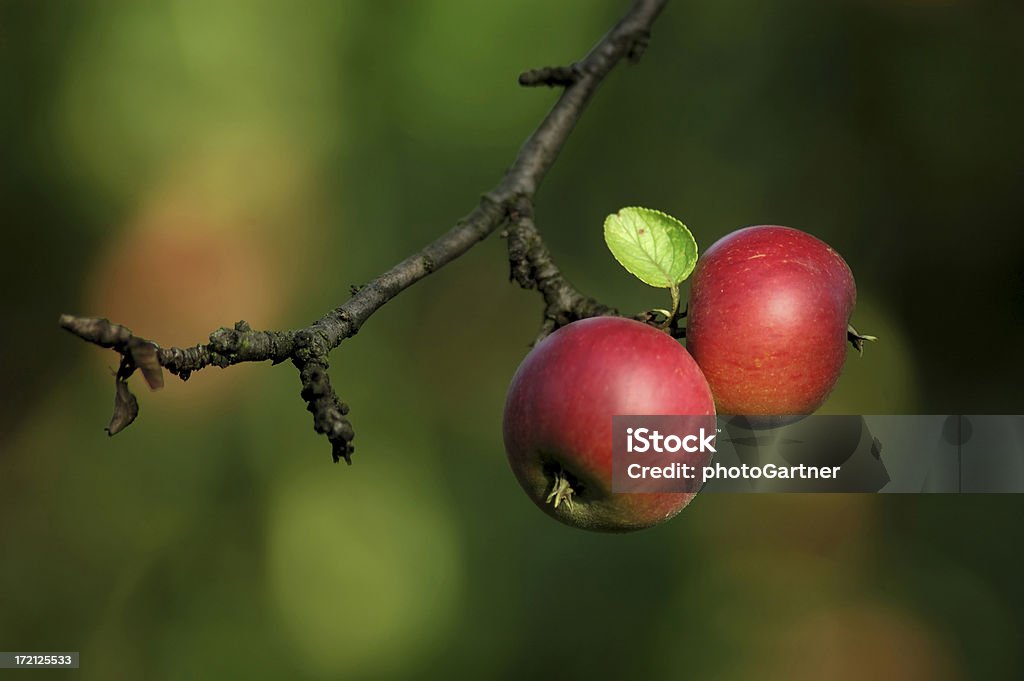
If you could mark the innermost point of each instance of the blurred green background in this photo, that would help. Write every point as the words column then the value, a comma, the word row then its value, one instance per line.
column 179, row 165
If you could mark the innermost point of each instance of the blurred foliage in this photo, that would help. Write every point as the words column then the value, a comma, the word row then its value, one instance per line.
column 178, row 165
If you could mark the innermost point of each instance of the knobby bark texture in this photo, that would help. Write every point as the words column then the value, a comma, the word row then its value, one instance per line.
column 508, row 205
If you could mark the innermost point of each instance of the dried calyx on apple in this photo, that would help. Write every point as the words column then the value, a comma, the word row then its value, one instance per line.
column 768, row 321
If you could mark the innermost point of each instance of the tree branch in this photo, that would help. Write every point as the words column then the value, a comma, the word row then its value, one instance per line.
column 532, row 267
column 509, row 203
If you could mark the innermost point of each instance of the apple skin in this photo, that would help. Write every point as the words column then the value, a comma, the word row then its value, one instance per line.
column 767, row 320
column 558, row 416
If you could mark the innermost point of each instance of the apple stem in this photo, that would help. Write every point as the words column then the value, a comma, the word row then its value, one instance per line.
column 561, row 491
column 857, row 339
column 674, row 290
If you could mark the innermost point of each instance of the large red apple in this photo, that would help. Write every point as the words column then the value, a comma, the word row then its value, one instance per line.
column 558, row 418
column 767, row 320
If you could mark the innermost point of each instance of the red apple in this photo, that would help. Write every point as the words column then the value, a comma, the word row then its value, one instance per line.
column 558, row 418
column 767, row 320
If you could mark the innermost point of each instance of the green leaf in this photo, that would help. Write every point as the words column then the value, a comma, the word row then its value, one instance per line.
column 655, row 247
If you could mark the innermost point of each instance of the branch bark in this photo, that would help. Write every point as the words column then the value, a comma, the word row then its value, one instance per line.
column 509, row 203
column 532, row 267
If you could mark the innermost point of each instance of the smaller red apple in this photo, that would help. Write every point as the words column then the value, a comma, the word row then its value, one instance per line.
column 768, row 318
column 558, row 418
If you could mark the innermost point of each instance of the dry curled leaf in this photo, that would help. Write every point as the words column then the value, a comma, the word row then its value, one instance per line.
column 126, row 407
column 144, row 356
